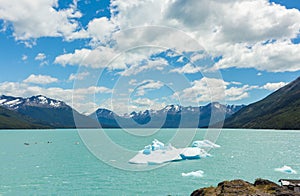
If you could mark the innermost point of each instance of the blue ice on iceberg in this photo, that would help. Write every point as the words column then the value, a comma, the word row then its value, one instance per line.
column 197, row 174
column 286, row 169
column 159, row 153
column 147, row 150
column 193, row 153
column 157, row 145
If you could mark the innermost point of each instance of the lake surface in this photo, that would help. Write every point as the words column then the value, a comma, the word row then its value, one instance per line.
column 65, row 166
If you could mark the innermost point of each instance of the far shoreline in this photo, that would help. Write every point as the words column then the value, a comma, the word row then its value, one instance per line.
column 202, row 128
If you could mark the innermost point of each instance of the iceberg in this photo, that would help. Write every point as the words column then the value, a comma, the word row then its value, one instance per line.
column 197, row 174
column 193, row 153
column 159, row 153
column 156, row 157
column 286, row 169
column 205, row 144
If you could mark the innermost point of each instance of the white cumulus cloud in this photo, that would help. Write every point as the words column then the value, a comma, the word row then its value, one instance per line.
column 40, row 79
column 239, row 31
column 147, row 85
column 25, row 89
column 274, row 86
column 145, row 65
column 78, row 76
column 245, row 34
column 96, row 58
column 42, row 18
column 24, row 57
column 213, row 89
column 279, row 56
column 40, row 57
column 188, row 69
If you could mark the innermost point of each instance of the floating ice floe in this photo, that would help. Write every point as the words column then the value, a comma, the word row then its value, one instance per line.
column 159, row 153
column 198, row 174
column 193, row 153
column 205, row 144
column 286, row 169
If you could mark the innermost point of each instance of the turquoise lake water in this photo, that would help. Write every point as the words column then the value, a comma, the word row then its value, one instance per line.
column 65, row 166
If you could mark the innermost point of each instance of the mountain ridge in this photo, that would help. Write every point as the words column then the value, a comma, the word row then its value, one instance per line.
column 171, row 116
column 13, row 120
column 279, row 110
column 45, row 111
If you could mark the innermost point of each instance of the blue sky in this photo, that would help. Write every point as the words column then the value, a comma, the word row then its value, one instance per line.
column 143, row 54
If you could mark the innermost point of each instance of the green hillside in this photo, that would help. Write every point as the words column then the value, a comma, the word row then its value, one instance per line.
column 279, row 110
column 12, row 120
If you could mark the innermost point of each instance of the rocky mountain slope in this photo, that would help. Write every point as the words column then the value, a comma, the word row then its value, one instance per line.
column 279, row 110
column 13, row 120
column 42, row 110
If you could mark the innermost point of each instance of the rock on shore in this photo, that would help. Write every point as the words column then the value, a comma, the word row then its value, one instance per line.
column 240, row 187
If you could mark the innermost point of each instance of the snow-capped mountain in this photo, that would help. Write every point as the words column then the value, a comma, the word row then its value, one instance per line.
column 105, row 117
column 177, row 109
column 171, row 116
column 43, row 110
column 14, row 103
column 47, row 112
column 172, row 108
column 141, row 117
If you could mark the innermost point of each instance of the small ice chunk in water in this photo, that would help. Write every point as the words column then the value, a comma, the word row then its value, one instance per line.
column 197, row 174
column 286, row 169
column 205, row 144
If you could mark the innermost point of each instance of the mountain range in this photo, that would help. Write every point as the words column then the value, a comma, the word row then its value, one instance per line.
column 279, row 110
column 172, row 116
column 43, row 112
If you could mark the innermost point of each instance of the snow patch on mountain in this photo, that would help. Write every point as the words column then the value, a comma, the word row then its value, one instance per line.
column 2, row 101
column 13, row 103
